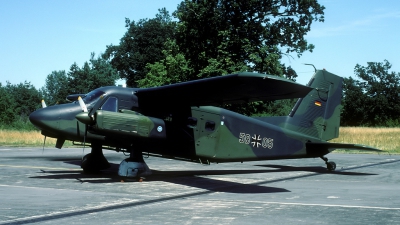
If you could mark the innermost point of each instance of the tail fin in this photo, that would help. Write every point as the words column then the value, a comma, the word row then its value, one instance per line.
column 318, row 114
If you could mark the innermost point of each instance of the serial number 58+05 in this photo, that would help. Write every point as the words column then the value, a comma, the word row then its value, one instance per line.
column 256, row 141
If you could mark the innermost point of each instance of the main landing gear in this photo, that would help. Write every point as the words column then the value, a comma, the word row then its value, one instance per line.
column 331, row 166
column 134, row 167
column 95, row 160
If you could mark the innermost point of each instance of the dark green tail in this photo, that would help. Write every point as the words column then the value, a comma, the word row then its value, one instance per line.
column 318, row 114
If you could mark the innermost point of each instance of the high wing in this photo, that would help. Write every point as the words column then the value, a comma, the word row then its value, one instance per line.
column 233, row 88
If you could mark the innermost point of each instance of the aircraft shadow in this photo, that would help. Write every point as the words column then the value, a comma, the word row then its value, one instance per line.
column 314, row 169
column 62, row 159
column 186, row 178
column 192, row 178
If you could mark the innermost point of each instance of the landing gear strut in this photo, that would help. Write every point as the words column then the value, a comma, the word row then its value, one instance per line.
column 134, row 166
column 331, row 166
column 95, row 160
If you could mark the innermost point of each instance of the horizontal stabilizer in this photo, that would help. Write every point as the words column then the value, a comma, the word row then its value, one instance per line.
column 355, row 147
column 319, row 149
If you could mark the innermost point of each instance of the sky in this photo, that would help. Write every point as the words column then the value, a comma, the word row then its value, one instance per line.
column 41, row 36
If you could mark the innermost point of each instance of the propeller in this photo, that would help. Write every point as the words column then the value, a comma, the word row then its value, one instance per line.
column 44, row 141
column 85, row 118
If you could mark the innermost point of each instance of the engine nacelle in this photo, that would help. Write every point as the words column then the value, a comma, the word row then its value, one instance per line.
column 129, row 124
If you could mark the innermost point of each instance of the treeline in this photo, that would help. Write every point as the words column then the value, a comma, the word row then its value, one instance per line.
column 372, row 99
column 18, row 101
column 203, row 39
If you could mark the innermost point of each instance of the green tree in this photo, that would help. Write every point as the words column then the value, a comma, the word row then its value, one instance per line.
column 237, row 35
column 27, row 98
column 56, row 88
column 142, row 43
column 374, row 98
column 353, row 102
column 101, row 72
column 80, row 80
column 7, row 107
column 96, row 73
column 22, row 99
column 172, row 69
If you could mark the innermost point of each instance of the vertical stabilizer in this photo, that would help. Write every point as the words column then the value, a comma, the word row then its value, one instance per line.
column 318, row 114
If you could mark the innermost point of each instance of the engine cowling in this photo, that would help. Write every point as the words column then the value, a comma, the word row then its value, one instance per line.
column 128, row 123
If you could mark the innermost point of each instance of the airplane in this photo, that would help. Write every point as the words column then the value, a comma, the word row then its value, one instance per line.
column 182, row 121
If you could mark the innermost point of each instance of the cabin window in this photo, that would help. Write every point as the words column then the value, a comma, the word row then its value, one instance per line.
column 192, row 122
column 210, row 125
column 111, row 105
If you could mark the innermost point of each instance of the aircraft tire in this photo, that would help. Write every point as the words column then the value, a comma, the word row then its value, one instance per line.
column 93, row 163
column 331, row 166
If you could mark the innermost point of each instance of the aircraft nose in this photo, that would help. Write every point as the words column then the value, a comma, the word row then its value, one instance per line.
column 46, row 118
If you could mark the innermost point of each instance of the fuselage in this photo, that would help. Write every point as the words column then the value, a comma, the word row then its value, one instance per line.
column 197, row 133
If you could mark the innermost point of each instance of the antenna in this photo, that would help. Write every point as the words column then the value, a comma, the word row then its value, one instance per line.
column 308, row 64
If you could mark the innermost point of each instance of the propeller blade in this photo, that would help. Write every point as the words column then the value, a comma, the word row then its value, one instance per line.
column 82, row 104
column 44, row 143
column 84, row 134
column 43, row 104
column 85, row 118
column 84, row 138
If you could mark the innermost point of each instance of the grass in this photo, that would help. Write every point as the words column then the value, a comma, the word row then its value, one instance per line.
column 387, row 139
column 26, row 138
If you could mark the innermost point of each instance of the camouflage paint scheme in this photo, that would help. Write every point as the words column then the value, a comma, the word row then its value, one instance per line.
column 314, row 119
column 179, row 120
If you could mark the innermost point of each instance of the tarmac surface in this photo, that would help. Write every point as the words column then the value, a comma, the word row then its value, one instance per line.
column 48, row 187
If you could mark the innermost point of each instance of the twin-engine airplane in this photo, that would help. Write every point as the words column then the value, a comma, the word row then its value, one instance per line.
column 178, row 121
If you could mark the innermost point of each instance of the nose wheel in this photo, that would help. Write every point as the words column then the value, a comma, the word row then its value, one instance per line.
column 331, row 166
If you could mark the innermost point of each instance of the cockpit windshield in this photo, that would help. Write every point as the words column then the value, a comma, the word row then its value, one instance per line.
column 92, row 97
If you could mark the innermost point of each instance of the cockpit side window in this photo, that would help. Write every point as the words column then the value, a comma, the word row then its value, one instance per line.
column 92, row 97
column 111, row 104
